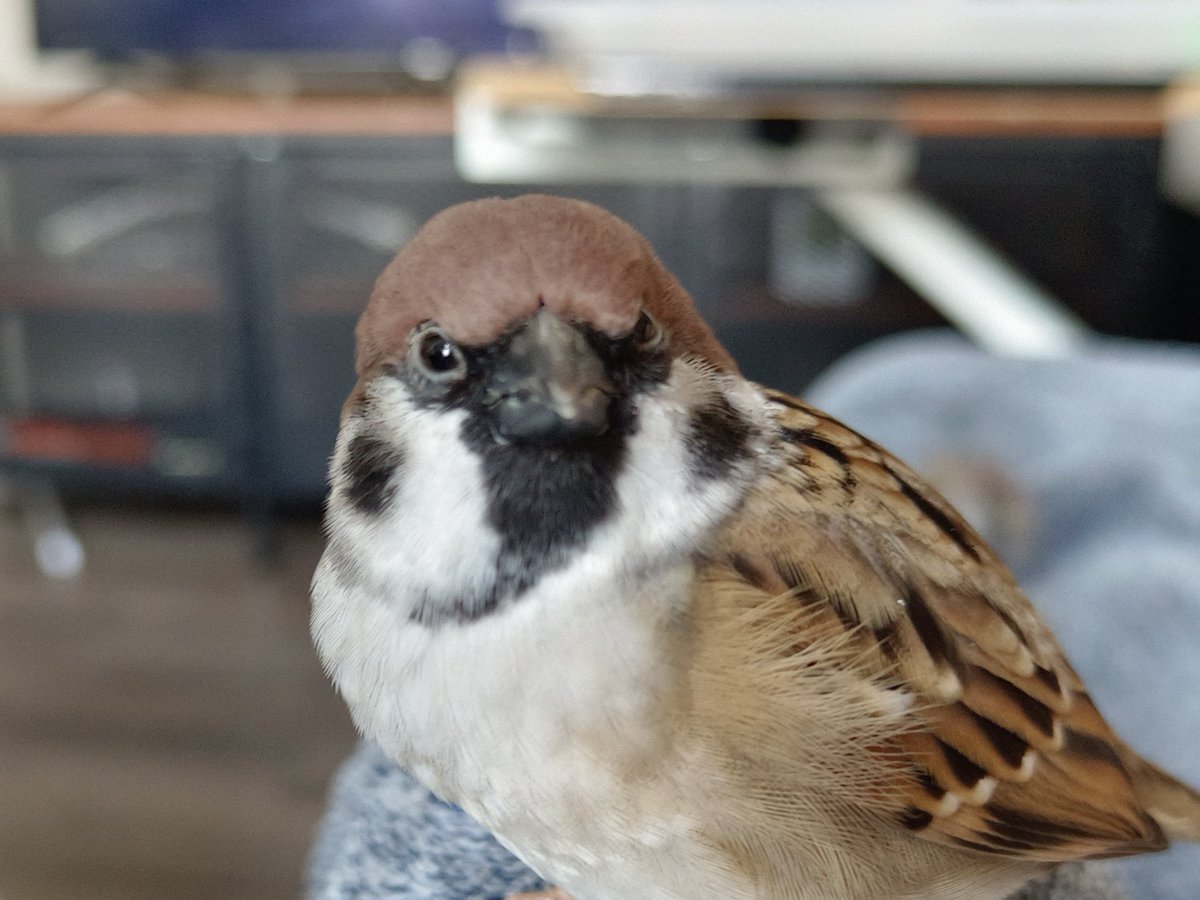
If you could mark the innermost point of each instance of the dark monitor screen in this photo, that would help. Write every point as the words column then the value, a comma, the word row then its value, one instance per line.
column 187, row 28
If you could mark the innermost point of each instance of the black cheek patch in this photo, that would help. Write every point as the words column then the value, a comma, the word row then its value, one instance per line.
column 370, row 469
column 718, row 438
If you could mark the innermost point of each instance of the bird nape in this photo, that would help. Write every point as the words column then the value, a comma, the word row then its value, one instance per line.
column 672, row 634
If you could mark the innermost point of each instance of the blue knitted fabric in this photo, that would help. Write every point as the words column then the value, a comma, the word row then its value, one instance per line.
column 386, row 836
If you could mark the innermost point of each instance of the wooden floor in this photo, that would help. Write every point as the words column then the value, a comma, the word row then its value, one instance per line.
column 165, row 729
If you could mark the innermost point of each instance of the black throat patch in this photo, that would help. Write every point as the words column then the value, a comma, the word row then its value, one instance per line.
column 544, row 501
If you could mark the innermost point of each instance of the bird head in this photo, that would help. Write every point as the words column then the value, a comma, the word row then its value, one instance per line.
column 538, row 310
column 514, row 353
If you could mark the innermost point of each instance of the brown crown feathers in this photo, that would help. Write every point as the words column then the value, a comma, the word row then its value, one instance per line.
column 478, row 267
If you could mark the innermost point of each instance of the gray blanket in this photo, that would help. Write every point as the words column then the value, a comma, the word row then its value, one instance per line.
column 1086, row 475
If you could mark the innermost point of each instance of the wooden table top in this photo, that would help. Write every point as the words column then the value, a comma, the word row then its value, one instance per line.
column 182, row 113
column 1114, row 112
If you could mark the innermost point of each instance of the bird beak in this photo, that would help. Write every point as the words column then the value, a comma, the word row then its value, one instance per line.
column 549, row 386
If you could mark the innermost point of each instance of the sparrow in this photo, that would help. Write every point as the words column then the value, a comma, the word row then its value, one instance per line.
column 668, row 633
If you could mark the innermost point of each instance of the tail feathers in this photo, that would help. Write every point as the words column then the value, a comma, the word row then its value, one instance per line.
column 1174, row 805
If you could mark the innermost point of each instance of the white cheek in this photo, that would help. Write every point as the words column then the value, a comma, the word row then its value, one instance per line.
column 665, row 508
column 434, row 532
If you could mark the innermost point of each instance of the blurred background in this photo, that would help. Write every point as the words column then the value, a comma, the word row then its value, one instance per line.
column 195, row 199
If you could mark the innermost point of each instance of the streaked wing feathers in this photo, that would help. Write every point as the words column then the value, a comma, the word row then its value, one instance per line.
column 1008, row 755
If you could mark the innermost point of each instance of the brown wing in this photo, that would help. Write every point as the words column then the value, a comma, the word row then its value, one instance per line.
column 1008, row 755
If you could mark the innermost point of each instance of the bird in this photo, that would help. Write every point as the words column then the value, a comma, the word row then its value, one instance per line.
column 668, row 633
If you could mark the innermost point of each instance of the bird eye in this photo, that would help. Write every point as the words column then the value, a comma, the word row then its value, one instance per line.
column 648, row 334
column 437, row 356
